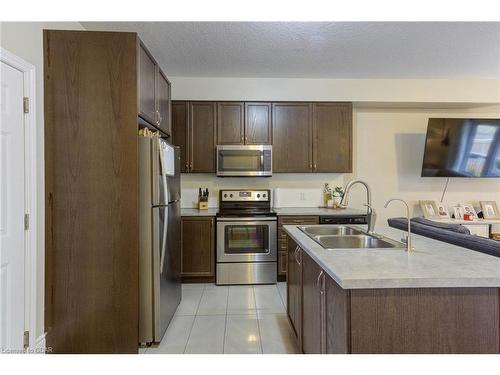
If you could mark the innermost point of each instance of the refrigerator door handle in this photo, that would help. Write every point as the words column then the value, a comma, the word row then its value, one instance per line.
column 163, row 170
column 164, row 240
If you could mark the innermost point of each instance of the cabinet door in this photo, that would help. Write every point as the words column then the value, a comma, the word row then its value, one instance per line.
column 294, row 291
column 337, row 318
column 311, row 306
column 332, row 137
column 147, row 87
column 230, row 123
column 164, row 110
column 292, row 137
column 258, row 129
column 179, row 133
column 202, row 117
column 197, row 237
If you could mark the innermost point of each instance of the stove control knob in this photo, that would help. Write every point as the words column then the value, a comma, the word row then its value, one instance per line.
column 258, row 195
column 225, row 195
column 230, row 195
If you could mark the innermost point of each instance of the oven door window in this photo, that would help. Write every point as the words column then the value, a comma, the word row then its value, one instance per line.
column 246, row 239
column 240, row 160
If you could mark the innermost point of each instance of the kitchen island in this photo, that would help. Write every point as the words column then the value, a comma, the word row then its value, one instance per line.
column 440, row 299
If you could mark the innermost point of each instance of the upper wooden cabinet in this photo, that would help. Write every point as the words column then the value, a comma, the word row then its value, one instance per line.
column 258, row 126
column 179, row 135
column 164, row 103
column 154, row 92
column 241, row 123
column 292, row 137
column 306, row 137
column 230, row 123
column 332, row 137
column 147, row 85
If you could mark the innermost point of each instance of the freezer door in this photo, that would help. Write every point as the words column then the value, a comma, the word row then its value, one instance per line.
column 168, row 280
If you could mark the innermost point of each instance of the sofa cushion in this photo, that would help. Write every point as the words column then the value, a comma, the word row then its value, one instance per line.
column 459, row 228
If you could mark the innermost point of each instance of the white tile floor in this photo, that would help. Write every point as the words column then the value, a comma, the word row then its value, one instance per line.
column 229, row 319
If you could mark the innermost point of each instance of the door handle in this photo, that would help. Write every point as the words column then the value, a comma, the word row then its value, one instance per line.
column 164, row 242
column 319, row 283
column 297, row 249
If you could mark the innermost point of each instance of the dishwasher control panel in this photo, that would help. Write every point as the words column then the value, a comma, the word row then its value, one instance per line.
column 343, row 219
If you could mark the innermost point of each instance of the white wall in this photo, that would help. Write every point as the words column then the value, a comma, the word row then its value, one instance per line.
column 390, row 120
column 25, row 40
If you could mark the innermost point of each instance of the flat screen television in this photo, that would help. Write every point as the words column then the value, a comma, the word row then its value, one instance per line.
column 458, row 147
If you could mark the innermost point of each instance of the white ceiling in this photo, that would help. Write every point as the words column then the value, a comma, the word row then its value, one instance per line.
column 319, row 49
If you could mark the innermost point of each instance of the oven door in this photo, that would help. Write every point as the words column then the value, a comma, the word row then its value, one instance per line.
column 239, row 160
column 246, row 240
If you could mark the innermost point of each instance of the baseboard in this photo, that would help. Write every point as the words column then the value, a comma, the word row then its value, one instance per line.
column 40, row 344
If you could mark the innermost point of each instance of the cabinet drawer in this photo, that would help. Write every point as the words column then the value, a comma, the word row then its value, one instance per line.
column 282, row 262
column 285, row 220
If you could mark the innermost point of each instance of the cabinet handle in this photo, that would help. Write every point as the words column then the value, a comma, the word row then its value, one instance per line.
column 187, row 167
column 191, row 167
column 246, row 139
column 310, row 165
column 314, row 165
column 319, row 283
column 242, row 139
column 297, row 249
column 158, row 117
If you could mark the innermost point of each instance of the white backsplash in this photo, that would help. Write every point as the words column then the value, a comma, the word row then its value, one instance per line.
column 289, row 197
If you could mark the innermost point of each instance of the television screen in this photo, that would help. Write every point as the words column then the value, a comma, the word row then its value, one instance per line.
column 456, row 147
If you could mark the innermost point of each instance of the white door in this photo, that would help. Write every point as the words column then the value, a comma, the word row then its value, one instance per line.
column 11, row 209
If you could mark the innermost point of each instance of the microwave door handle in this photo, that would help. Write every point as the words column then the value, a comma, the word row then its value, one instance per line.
column 164, row 242
column 262, row 160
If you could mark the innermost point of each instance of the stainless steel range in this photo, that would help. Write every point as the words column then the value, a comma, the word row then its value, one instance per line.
column 246, row 238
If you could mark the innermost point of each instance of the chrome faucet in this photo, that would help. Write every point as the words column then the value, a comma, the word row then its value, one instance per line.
column 409, row 247
column 370, row 213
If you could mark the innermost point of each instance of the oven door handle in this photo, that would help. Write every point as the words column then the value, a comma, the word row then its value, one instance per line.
column 250, row 219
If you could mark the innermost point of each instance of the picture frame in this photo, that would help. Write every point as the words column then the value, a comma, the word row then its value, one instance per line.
column 469, row 209
column 443, row 210
column 430, row 210
column 458, row 212
column 490, row 209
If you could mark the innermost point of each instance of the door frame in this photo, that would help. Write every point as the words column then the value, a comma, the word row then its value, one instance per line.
column 30, row 201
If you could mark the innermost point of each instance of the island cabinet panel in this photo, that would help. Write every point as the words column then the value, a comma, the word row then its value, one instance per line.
column 198, row 247
column 202, row 136
column 312, row 304
column 336, row 318
column 180, row 132
column 292, row 137
column 91, row 192
column 332, row 137
column 433, row 320
column 294, row 288
column 283, row 239
column 147, row 85
column 258, row 126
column 230, row 123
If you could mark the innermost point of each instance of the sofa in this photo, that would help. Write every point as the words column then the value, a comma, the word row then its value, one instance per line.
column 455, row 234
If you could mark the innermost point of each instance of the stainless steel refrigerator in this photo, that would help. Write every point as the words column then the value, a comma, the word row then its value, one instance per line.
column 160, row 248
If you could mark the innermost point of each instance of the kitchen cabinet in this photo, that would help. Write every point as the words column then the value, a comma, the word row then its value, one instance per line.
column 154, row 92
column 201, row 135
column 164, row 103
column 198, row 247
column 313, row 302
column 180, row 132
column 258, row 125
column 292, row 137
column 147, row 85
column 332, row 137
column 230, row 123
column 194, row 131
column 330, row 319
column 294, row 288
column 283, row 239
column 241, row 123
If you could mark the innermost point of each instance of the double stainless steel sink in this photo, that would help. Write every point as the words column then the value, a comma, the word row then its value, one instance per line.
column 333, row 237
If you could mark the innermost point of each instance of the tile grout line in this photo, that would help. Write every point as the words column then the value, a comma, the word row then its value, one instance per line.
column 225, row 324
column 257, row 318
column 194, row 319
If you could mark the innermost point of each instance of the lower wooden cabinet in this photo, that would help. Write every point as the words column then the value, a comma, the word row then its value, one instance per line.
column 282, row 238
column 198, row 247
column 329, row 319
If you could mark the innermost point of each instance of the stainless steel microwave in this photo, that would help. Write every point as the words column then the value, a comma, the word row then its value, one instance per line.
column 243, row 160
